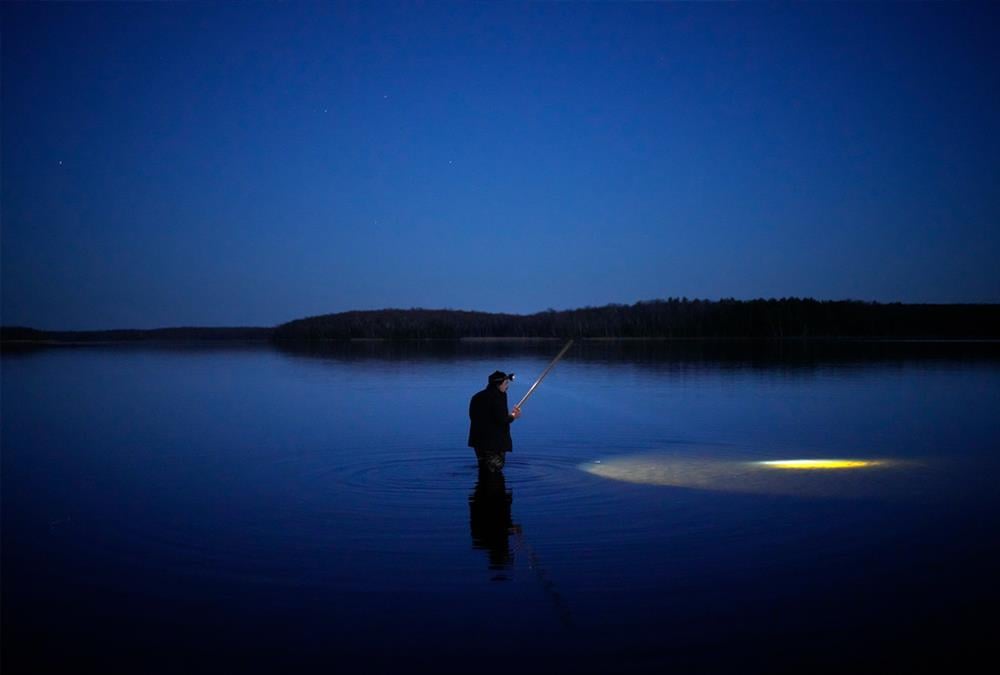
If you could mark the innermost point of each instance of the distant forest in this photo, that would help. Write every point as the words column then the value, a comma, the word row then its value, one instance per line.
column 671, row 318
column 15, row 334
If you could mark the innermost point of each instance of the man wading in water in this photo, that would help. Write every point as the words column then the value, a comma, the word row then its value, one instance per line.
column 489, row 428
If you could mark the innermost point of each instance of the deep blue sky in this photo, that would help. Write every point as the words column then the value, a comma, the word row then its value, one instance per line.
column 248, row 164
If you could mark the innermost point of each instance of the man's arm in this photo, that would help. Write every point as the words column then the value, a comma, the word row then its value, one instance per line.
column 504, row 417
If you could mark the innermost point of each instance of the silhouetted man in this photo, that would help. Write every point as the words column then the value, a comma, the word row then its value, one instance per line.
column 489, row 422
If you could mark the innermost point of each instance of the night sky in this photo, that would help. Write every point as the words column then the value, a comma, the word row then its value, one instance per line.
column 247, row 164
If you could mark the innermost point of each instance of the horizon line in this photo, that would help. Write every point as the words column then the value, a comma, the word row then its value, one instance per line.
column 5, row 327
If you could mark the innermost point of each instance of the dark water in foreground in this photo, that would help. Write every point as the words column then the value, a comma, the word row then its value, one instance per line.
column 236, row 509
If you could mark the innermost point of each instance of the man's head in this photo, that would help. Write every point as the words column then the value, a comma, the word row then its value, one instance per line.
column 501, row 380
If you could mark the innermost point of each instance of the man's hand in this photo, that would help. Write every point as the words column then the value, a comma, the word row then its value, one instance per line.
column 515, row 413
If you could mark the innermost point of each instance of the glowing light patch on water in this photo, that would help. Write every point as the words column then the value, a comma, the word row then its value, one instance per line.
column 821, row 463
column 717, row 471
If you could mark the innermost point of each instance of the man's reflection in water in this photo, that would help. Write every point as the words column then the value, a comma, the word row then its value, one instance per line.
column 490, row 522
column 491, row 526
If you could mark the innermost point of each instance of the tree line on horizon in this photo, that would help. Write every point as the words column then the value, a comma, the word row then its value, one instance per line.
column 181, row 334
column 670, row 318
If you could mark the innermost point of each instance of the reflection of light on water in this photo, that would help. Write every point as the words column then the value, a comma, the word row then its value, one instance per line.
column 807, row 477
column 821, row 463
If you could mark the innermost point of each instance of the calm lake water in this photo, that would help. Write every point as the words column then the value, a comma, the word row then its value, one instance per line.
column 186, row 509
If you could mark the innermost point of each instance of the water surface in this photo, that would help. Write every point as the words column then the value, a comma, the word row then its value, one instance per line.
column 238, row 508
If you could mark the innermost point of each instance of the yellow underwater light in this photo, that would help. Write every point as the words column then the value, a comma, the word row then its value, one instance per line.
column 820, row 463
column 721, row 469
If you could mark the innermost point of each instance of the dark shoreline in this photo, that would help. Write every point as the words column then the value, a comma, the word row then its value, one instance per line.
column 787, row 319
column 505, row 340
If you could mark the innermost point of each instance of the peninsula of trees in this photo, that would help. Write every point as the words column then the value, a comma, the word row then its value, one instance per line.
column 671, row 318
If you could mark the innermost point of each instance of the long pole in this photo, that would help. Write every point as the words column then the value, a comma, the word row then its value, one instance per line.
column 544, row 373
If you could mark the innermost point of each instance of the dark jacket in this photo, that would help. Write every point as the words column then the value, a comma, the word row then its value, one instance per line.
column 489, row 427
